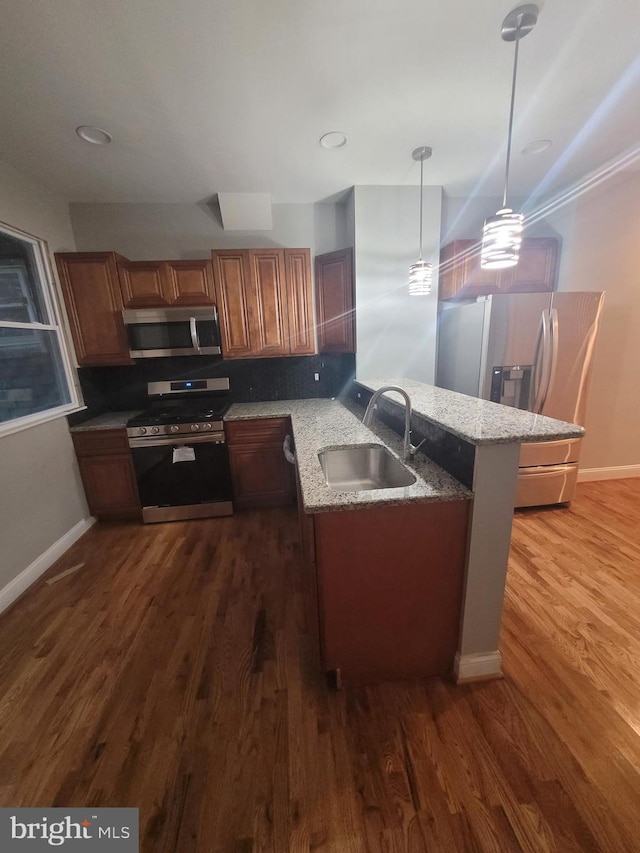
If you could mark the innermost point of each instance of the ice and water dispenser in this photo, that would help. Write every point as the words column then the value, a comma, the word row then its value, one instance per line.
column 511, row 385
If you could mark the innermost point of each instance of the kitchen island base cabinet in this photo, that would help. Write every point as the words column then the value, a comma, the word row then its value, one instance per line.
column 390, row 590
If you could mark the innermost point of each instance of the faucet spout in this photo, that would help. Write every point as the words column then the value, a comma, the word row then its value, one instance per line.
column 407, row 448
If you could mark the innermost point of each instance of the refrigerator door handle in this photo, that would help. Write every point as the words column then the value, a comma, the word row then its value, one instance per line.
column 553, row 361
column 540, row 362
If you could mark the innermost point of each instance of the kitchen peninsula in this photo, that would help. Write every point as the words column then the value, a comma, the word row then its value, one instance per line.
column 473, row 447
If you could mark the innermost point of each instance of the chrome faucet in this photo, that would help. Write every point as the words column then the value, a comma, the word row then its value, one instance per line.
column 408, row 449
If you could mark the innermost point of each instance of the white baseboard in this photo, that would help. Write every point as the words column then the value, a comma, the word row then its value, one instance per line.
column 477, row 667
column 23, row 581
column 617, row 472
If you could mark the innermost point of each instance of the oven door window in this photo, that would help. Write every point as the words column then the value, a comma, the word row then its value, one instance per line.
column 172, row 336
column 163, row 482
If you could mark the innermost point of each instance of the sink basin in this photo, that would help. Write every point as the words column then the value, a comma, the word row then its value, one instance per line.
column 363, row 466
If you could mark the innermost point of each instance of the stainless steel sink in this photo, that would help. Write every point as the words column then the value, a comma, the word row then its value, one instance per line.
column 363, row 466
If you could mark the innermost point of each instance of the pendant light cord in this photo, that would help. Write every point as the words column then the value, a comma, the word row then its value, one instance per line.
column 513, row 98
column 421, row 192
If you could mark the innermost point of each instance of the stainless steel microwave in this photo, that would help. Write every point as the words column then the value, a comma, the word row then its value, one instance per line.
column 161, row 332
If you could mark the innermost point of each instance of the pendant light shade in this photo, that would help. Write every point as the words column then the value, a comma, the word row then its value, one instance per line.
column 502, row 233
column 501, row 240
column 420, row 273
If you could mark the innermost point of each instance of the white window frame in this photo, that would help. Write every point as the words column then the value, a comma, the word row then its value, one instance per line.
column 51, row 304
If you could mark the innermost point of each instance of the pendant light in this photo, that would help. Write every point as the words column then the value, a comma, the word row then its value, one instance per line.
column 502, row 233
column 421, row 272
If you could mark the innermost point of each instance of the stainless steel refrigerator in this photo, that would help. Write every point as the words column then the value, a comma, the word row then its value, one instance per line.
column 532, row 351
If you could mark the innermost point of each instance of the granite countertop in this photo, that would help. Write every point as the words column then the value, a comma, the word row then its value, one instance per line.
column 109, row 420
column 321, row 424
column 475, row 421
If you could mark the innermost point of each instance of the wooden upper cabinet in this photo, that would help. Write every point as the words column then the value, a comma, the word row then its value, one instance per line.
column 143, row 284
column 536, row 270
column 268, row 303
column 461, row 276
column 264, row 302
column 299, row 301
column 232, row 276
column 157, row 284
column 190, row 283
column 93, row 300
column 334, row 302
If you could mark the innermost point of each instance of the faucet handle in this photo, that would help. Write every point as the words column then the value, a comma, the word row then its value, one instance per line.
column 413, row 448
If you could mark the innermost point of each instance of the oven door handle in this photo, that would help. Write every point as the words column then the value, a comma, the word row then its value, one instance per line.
column 195, row 340
column 178, row 441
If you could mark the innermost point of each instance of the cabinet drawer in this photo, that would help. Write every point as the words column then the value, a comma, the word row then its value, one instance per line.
column 258, row 431
column 99, row 442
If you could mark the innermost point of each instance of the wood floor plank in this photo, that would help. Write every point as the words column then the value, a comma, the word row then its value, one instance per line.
column 178, row 672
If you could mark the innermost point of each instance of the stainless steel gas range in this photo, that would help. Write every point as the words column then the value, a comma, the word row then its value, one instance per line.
column 179, row 451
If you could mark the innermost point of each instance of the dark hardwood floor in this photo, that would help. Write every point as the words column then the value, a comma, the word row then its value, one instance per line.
column 176, row 671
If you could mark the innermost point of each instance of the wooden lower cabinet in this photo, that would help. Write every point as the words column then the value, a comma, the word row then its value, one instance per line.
column 390, row 585
column 260, row 474
column 107, row 473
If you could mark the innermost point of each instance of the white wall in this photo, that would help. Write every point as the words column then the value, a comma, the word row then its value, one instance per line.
column 41, row 496
column 171, row 231
column 396, row 333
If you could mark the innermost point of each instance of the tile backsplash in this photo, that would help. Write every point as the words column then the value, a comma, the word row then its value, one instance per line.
column 252, row 380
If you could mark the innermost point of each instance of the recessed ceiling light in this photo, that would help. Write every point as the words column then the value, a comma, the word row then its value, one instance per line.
column 537, row 147
column 94, row 135
column 333, row 140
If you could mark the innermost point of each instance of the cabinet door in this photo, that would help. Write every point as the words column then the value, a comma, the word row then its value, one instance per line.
column 231, row 277
column 461, row 275
column 268, row 303
column 190, row 283
column 110, row 485
column 94, row 304
column 299, row 301
column 535, row 272
column 334, row 302
column 260, row 474
column 143, row 284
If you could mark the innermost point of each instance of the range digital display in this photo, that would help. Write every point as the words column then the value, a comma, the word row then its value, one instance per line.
column 189, row 385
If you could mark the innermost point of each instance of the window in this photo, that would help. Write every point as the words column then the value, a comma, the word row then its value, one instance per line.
column 36, row 377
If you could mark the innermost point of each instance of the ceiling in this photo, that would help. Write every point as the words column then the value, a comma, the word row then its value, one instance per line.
column 207, row 96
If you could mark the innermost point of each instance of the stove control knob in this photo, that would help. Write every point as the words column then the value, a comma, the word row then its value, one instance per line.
column 142, row 431
column 195, row 427
column 208, row 426
column 155, row 430
column 174, row 428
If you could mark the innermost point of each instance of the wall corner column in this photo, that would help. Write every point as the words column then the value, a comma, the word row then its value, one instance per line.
column 494, row 485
